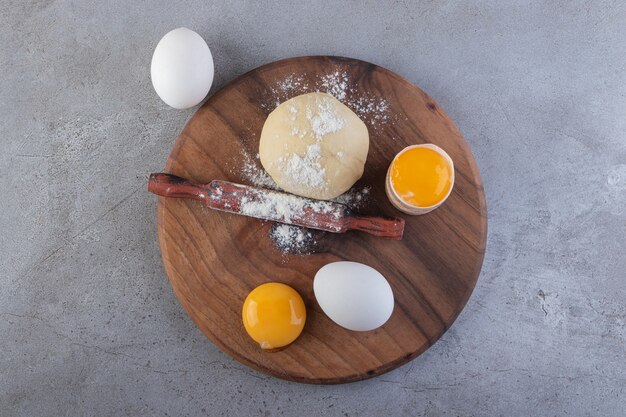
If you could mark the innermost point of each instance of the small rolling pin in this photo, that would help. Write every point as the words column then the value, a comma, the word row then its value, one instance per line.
column 275, row 206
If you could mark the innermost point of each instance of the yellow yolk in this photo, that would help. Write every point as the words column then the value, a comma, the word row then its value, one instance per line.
column 273, row 315
column 421, row 177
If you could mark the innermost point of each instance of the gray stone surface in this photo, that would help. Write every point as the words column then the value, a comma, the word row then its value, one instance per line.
column 88, row 322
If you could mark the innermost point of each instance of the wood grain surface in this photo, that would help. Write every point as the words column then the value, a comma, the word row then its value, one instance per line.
column 214, row 259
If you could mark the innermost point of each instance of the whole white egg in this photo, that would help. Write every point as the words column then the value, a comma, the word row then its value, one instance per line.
column 353, row 295
column 182, row 68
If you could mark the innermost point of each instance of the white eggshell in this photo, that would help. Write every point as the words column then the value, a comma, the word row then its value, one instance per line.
column 353, row 295
column 182, row 68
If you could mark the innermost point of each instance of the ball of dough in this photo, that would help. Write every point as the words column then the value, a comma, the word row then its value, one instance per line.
column 313, row 145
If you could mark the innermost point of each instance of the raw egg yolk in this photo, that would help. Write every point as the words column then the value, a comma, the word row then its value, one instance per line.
column 421, row 177
column 273, row 315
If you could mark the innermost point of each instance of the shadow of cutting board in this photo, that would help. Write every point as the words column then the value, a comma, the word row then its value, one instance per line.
column 214, row 259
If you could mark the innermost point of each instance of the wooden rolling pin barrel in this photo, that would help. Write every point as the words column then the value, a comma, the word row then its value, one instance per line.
column 322, row 215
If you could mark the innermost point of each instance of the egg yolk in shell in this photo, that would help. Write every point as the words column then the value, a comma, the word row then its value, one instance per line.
column 421, row 177
column 273, row 315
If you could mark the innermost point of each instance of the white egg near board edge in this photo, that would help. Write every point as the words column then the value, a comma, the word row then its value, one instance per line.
column 353, row 295
column 182, row 68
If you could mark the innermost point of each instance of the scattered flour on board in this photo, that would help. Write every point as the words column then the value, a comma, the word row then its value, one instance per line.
column 292, row 82
column 292, row 239
column 355, row 198
column 335, row 84
column 284, row 89
column 376, row 110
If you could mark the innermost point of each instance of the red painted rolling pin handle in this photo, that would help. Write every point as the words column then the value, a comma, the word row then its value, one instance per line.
column 377, row 226
column 168, row 185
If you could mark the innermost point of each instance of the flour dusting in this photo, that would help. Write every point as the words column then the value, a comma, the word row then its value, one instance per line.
column 335, row 84
column 355, row 198
column 292, row 82
column 254, row 172
column 292, row 239
column 288, row 208
column 374, row 111
column 305, row 170
column 324, row 119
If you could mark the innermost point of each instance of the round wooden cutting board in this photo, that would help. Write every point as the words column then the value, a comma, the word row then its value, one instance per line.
column 214, row 259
